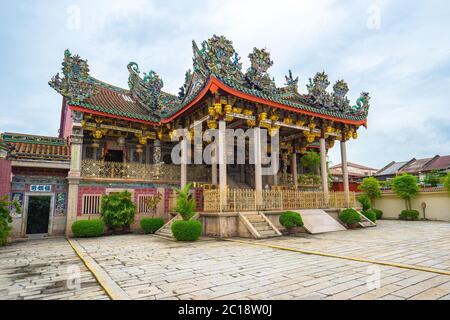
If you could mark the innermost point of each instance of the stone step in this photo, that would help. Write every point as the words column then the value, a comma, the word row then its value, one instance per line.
column 267, row 233
column 260, row 224
column 255, row 219
column 263, row 228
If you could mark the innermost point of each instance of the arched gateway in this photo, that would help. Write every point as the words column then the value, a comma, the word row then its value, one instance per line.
column 124, row 138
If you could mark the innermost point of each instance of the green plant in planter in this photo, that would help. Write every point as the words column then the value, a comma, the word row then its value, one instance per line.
column 186, row 229
column 151, row 225
column 5, row 218
column 371, row 215
column 350, row 217
column 290, row 220
column 88, row 228
column 409, row 215
column 118, row 210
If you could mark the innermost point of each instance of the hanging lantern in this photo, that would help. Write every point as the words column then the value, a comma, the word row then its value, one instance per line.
column 218, row 108
column 212, row 124
column 95, row 144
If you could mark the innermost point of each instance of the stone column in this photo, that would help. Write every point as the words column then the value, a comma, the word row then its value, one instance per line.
column 294, row 170
column 184, row 160
column 222, row 160
column 345, row 172
column 275, row 168
column 214, row 165
column 258, row 168
column 323, row 169
column 157, row 151
column 74, row 176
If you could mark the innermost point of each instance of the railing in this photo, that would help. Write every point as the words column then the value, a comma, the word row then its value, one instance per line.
column 246, row 200
column 142, row 172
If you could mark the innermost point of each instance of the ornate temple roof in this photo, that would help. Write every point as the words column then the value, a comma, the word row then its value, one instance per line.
column 216, row 65
column 31, row 147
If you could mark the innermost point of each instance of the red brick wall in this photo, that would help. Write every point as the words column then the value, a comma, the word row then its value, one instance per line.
column 5, row 177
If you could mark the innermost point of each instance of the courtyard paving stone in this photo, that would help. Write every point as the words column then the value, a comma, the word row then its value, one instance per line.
column 148, row 267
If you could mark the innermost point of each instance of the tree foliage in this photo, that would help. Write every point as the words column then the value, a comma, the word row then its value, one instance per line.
column 432, row 178
column 5, row 218
column 185, row 205
column 371, row 187
column 447, row 182
column 118, row 210
column 405, row 186
column 311, row 161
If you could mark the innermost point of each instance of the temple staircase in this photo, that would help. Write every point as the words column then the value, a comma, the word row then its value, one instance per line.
column 259, row 225
column 166, row 230
column 365, row 222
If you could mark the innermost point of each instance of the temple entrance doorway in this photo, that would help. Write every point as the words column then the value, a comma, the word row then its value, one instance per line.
column 38, row 214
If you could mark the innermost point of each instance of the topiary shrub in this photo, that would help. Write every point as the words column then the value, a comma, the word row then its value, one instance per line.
column 409, row 215
column 371, row 215
column 118, row 210
column 88, row 228
column 151, row 225
column 290, row 219
column 379, row 213
column 185, row 205
column 350, row 216
column 371, row 187
column 365, row 202
column 187, row 230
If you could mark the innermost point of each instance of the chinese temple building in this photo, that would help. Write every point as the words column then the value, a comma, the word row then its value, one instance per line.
column 114, row 139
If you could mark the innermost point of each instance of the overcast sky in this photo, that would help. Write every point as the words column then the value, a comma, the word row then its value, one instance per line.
column 397, row 50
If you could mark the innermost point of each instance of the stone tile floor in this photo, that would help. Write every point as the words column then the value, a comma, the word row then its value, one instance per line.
column 148, row 267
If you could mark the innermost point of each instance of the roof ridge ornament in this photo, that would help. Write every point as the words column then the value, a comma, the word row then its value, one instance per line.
column 75, row 82
column 147, row 90
column 257, row 74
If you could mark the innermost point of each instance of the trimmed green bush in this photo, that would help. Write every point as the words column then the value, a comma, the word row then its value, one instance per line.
column 350, row 216
column 290, row 219
column 187, row 230
column 379, row 213
column 405, row 186
column 409, row 215
column 371, row 215
column 118, row 210
column 151, row 225
column 88, row 228
column 365, row 202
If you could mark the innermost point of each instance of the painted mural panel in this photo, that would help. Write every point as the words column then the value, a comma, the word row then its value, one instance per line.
column 18, row 197
column 60, row 204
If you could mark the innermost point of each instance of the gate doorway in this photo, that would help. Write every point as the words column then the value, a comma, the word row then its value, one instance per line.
column 38, row 214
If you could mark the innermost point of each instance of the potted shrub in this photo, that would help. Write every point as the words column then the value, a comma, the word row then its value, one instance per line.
column 88, row 228
column 117, row 211
column 186, row 229
column 292, row 221
column 151, row 225
column 5, row 218
column 350, row 217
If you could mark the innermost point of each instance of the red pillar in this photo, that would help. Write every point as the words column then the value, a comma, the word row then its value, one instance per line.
column 5, row 177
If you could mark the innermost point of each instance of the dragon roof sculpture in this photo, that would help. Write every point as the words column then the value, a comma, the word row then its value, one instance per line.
column 215, row 58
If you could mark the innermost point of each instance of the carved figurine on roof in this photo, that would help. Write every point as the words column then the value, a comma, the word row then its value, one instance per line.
column 75, row 82
column 257, row 75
